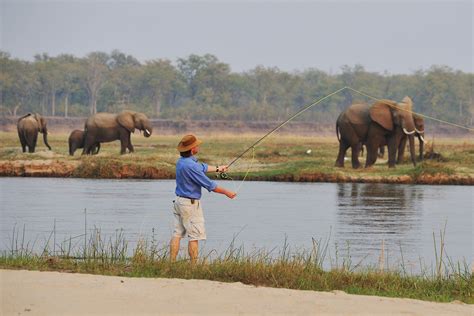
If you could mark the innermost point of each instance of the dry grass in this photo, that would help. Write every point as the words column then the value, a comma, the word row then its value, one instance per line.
column 280, row 158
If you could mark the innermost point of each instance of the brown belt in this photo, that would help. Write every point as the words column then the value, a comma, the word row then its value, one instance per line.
column 192, row 200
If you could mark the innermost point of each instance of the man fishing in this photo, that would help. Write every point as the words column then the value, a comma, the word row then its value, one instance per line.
column 190, row 178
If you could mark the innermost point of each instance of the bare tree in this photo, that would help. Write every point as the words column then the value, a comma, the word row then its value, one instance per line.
column 96, row 69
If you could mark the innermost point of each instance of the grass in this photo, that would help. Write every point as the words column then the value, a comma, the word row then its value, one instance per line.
column 282, row 158
column 301, row 270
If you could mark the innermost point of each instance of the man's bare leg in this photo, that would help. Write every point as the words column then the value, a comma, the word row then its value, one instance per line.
column 193, row 249
column 174, row 248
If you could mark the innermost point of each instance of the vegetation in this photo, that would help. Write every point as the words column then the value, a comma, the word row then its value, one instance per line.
column 304, row 270
column 203, row 87
column 282, row 158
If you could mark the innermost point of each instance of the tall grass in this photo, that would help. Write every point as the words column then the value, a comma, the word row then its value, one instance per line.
column 283, row 268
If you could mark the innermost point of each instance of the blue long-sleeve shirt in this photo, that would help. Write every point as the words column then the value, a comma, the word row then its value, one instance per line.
column 191, row 177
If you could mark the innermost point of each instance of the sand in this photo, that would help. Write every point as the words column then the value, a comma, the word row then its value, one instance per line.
column 55, row 293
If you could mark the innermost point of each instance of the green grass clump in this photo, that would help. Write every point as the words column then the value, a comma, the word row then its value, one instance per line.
column 430, row 168
column 302, row 270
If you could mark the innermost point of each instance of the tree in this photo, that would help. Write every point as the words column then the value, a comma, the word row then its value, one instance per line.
column 158, row 80
column 50, row 77
column 16, row 84
column 94, row 75
column 69, row 68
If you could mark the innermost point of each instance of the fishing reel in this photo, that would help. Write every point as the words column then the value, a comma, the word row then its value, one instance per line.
column 223, row 175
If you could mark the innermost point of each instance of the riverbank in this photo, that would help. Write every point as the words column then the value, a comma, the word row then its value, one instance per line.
column 53, row 293
column 282, row 158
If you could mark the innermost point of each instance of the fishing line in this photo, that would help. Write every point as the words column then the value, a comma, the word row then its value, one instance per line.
column 224, row 175
column 422, row 115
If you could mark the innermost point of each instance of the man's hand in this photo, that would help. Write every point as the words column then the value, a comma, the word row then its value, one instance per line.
column 223, row 168
column 231, row 194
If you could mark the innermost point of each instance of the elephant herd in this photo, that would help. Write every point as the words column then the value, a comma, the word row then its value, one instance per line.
column 384, row 123
column 99, row 128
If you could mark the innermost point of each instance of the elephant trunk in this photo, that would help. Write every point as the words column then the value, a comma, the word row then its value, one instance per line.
column 45, row 138
column 411, row 140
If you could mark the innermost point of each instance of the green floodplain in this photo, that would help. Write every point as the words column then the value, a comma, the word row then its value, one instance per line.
column 277, row 158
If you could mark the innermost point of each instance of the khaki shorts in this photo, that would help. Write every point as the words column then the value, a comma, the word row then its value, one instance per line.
column 188, row 219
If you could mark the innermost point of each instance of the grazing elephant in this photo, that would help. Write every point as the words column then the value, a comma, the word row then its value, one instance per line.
column 383, row 123
column 28, row 127
column 76, row 140
column 107, row 127
column 420, row 133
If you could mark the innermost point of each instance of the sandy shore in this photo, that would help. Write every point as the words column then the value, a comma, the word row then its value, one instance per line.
column 54, row 293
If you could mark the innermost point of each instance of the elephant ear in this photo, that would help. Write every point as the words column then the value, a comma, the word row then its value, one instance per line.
column 125, row 119
column 39, row 120
column 380, row 112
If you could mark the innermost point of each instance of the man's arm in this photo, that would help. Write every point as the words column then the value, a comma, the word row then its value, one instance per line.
column 228, row 193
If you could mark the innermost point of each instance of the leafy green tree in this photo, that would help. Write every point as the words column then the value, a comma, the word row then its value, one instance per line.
column 17, row 84
column 159, row 79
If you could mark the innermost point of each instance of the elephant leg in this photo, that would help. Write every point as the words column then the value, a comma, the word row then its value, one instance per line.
column 421, row 147
column 124, row 141
column 381, row 151
column 392, row 151
column 72, row 148
column 401, row 150
column 130, row 146
column 343, row 146
column 32, row 145
column 371, row 154
column 95, row 149
column 89, row 141
column 22, row 141
column 355, row 155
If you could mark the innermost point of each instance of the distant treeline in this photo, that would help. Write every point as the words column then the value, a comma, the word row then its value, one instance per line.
column 204, row 88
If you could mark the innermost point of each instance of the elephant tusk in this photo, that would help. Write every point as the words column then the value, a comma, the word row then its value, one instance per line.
column 147, row 131
column 422, row 139
column 419, row 132
column 407, row 132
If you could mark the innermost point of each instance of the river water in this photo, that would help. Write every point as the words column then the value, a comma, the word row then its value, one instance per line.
column 354, row 217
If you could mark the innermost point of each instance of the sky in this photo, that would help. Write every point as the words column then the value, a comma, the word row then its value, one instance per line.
column 383, row 36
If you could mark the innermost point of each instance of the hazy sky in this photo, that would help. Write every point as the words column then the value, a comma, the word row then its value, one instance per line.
column 398, row 36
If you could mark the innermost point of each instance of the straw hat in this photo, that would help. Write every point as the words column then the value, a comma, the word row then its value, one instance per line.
column 188, row 142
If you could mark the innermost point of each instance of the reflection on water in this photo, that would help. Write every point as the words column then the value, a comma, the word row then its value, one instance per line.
column 264, row 215
column 370, row 213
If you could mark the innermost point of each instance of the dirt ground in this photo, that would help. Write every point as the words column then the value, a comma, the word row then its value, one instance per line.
column 54, row 293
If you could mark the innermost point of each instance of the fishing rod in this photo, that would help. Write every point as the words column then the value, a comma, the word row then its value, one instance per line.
column 224, row 175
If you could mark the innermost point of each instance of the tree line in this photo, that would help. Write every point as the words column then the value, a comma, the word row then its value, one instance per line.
column 205, row 88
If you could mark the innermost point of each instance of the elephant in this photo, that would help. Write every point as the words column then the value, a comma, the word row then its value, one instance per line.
column 76, row 140
column 107, row 127
column 28, row 127
column 383, row 123
column 419, row 132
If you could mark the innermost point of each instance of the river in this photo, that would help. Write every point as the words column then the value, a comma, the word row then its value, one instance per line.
column 356, row 218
